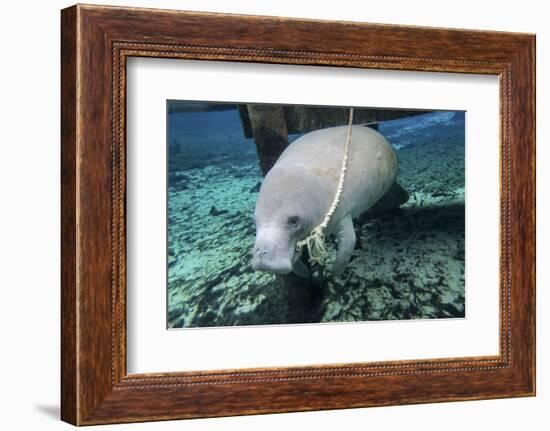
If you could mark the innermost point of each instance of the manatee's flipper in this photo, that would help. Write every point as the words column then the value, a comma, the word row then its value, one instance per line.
column 345, row 235
column 300, row 269
column 393, row 198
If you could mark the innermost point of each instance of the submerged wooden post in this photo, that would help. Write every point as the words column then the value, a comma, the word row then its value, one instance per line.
column 270, row 133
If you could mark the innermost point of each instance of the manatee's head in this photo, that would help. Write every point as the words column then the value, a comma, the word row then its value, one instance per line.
column 286, row 211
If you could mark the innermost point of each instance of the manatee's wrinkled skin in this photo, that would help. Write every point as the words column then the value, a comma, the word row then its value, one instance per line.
column 300, row 188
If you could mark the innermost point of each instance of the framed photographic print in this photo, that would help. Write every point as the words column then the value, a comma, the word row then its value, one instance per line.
column 264, row 214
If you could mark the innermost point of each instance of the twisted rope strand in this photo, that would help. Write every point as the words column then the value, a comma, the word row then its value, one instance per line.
column 315, row 241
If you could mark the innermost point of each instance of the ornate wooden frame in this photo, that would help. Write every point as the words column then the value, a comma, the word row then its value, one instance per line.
column 95, row 43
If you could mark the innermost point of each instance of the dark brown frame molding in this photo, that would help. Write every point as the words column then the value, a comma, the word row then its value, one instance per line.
column 95, row 43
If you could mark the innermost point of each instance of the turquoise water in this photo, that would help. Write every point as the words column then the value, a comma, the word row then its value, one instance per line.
column 407, row 264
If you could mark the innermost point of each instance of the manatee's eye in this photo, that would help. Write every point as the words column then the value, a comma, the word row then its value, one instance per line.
column 293, row 221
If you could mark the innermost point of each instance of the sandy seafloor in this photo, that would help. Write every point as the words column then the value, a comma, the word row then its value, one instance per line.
column 408, row 263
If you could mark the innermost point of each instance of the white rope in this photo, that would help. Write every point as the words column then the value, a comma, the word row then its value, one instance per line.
column 315, row 241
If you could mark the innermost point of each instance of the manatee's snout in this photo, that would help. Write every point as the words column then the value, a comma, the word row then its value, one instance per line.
column 267, row 256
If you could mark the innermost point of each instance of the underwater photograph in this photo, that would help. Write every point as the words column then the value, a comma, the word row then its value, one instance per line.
column 295, row 214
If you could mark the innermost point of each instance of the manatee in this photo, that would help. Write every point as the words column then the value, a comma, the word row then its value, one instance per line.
column 300, row 188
